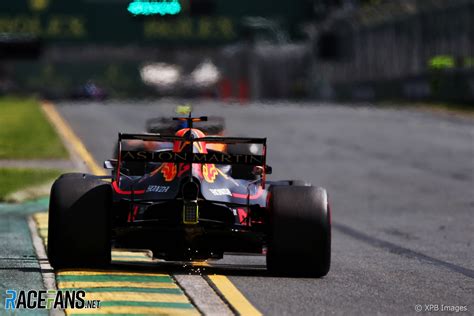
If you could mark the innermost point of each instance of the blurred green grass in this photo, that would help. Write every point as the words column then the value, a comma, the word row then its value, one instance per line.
column 15, row 179
column 25, row 132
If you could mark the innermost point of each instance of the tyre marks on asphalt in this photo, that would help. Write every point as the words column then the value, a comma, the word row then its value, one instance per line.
column 375, row 242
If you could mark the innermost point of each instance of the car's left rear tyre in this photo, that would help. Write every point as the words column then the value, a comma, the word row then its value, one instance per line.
column 79, row 222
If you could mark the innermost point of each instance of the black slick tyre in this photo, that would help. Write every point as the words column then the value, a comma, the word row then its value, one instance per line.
column 299, row 233
column 79, row 222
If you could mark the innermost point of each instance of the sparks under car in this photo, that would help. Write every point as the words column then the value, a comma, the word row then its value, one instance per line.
column 184, row 202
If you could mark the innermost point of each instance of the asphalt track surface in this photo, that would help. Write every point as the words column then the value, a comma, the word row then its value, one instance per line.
column 401, row 185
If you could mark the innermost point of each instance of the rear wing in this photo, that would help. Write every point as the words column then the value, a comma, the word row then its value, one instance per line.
column 164, row 125
column 207, row 139
column 190, row 157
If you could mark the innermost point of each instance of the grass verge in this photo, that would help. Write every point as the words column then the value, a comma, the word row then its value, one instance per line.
column 15, row 179
column 25, row 133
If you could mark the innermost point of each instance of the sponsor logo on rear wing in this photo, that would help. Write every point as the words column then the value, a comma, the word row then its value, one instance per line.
column 184, row 157
column 169, row 156
column 188, row 157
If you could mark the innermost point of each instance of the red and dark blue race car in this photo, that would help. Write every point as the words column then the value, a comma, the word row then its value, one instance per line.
column 180, row 197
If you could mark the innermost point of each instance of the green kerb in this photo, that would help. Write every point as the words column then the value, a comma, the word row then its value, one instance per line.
column 127, row 289
column 147, row 304
column 114, row 278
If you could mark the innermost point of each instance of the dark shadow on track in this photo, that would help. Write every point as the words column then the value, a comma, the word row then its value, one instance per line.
column 28, row 269
column 177, row 267
column 194, row 268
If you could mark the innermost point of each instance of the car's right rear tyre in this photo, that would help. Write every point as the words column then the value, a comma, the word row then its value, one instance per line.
column 299, row 236
column 295, row 183
column 79, row 222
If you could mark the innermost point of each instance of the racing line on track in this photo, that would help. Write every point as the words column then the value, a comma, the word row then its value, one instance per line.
column 375, row 242
column 128, row 290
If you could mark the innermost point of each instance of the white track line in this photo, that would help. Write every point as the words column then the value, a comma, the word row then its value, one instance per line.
column 47, row 272
column 49, row 279
column 202, row 295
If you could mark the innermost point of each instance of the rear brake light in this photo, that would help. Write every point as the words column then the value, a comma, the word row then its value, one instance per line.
column 190, row 213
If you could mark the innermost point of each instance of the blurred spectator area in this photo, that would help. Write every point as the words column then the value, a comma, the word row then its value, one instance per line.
column 99, row 44
column 241, row 50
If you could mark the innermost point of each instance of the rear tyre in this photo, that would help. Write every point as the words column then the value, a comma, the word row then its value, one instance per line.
column 79, row 222
column 295, row 183
column 74, row 175
column 299, row 242
column 299, row 183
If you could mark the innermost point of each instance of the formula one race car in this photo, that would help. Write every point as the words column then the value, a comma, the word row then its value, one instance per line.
column 183, row 202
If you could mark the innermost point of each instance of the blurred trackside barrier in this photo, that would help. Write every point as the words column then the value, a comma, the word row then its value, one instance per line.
column 412, row 50
column 234, row 90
